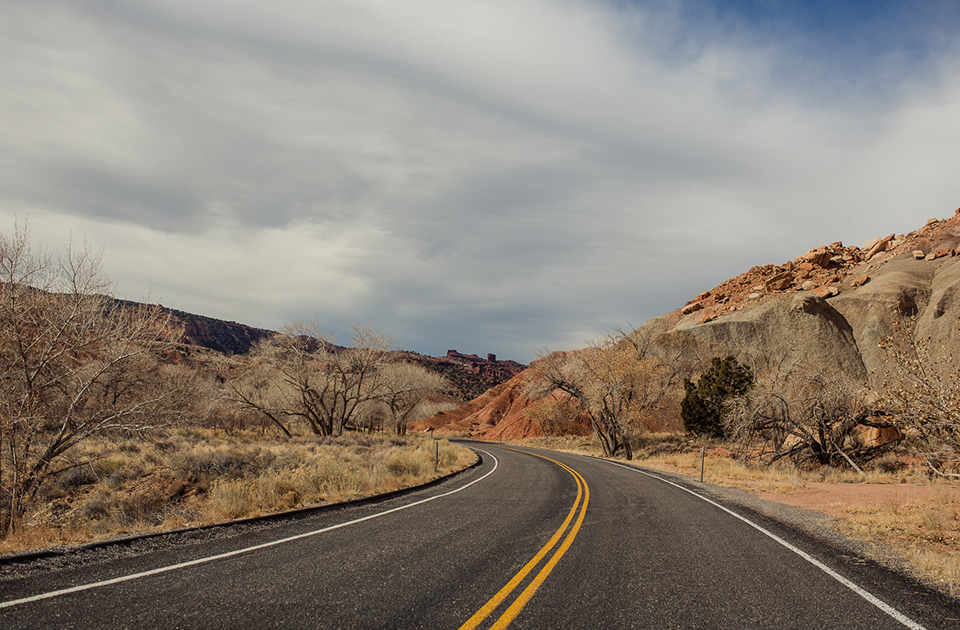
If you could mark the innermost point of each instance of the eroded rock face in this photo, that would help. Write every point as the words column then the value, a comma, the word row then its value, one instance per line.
column 797, row 326
column 833, row 317
column 230, row 338
column 827, row 309
column 497, row 414
column 897, row 289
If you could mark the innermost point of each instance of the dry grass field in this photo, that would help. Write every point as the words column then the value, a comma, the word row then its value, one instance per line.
column 197, row 476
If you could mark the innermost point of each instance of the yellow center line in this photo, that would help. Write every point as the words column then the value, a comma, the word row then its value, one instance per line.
column 528, row 592
column 583, row 492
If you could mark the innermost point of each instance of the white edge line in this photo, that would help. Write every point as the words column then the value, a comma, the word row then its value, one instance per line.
column 237, row 552
column 887, row 608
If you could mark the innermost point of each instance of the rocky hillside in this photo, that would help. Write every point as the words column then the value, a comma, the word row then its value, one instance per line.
column 229, row 338
column 830, row 306
column 495, row 414
column 827, row 308
column 469, row 376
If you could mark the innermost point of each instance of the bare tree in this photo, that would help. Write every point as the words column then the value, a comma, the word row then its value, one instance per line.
column 922, row 393
column 73, row 363
column 300, row 374
column 406, row 392
column 615, row 381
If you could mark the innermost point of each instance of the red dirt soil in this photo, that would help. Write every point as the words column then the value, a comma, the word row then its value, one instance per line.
column 497, row 414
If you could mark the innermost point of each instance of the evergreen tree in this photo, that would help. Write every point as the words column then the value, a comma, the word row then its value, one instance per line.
column 702, row 406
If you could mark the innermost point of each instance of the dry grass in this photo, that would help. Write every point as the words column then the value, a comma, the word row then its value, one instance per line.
column 202, row 476
column 925, row 531
column 920, row 522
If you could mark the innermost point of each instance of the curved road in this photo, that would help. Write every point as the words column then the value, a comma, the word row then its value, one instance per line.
column 529, row 539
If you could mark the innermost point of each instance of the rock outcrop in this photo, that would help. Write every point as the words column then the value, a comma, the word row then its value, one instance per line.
column 229, row 338
column 468, row 376
column 497, row 414
column 500, row 408
column 828, row 309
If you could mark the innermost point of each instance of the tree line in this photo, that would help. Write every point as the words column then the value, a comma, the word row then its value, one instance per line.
column 299, row 375
column 766, row 408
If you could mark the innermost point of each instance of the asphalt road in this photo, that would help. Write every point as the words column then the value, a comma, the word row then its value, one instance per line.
column 526, row 540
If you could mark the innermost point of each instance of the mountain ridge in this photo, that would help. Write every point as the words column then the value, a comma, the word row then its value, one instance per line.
column 468, row 375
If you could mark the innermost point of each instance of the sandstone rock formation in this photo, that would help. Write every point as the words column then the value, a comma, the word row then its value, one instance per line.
column 500, row 408
column 840, row 301
column 828, row 309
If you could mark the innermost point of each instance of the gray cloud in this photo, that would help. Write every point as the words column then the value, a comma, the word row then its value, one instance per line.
column 493, row 177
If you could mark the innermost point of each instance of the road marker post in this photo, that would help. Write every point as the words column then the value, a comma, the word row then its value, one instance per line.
column 703, row 455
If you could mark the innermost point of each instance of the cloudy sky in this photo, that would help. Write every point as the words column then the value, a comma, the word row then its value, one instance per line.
column 485, row 175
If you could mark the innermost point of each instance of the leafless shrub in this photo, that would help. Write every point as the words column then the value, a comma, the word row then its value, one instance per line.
column 923, row 393
column 405, row 394
column 77, row 476
column 888, row 463
column 556, row 416
column 221, row 462
column 811, row 418
column 406, row 463
column 299, row 375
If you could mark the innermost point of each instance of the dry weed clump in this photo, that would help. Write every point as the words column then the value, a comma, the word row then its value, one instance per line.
column 348, row 467
column 200, row 476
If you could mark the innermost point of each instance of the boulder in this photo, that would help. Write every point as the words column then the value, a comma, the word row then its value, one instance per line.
column 878, row 436
column 779, row 282
column 879, row 246
column 789, row 326
column 819, row 257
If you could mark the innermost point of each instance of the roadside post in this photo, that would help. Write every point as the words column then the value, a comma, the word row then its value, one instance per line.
column 703, row 455
column 436, row 451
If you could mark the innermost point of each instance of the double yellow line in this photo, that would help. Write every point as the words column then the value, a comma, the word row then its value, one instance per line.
column 583, row 497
